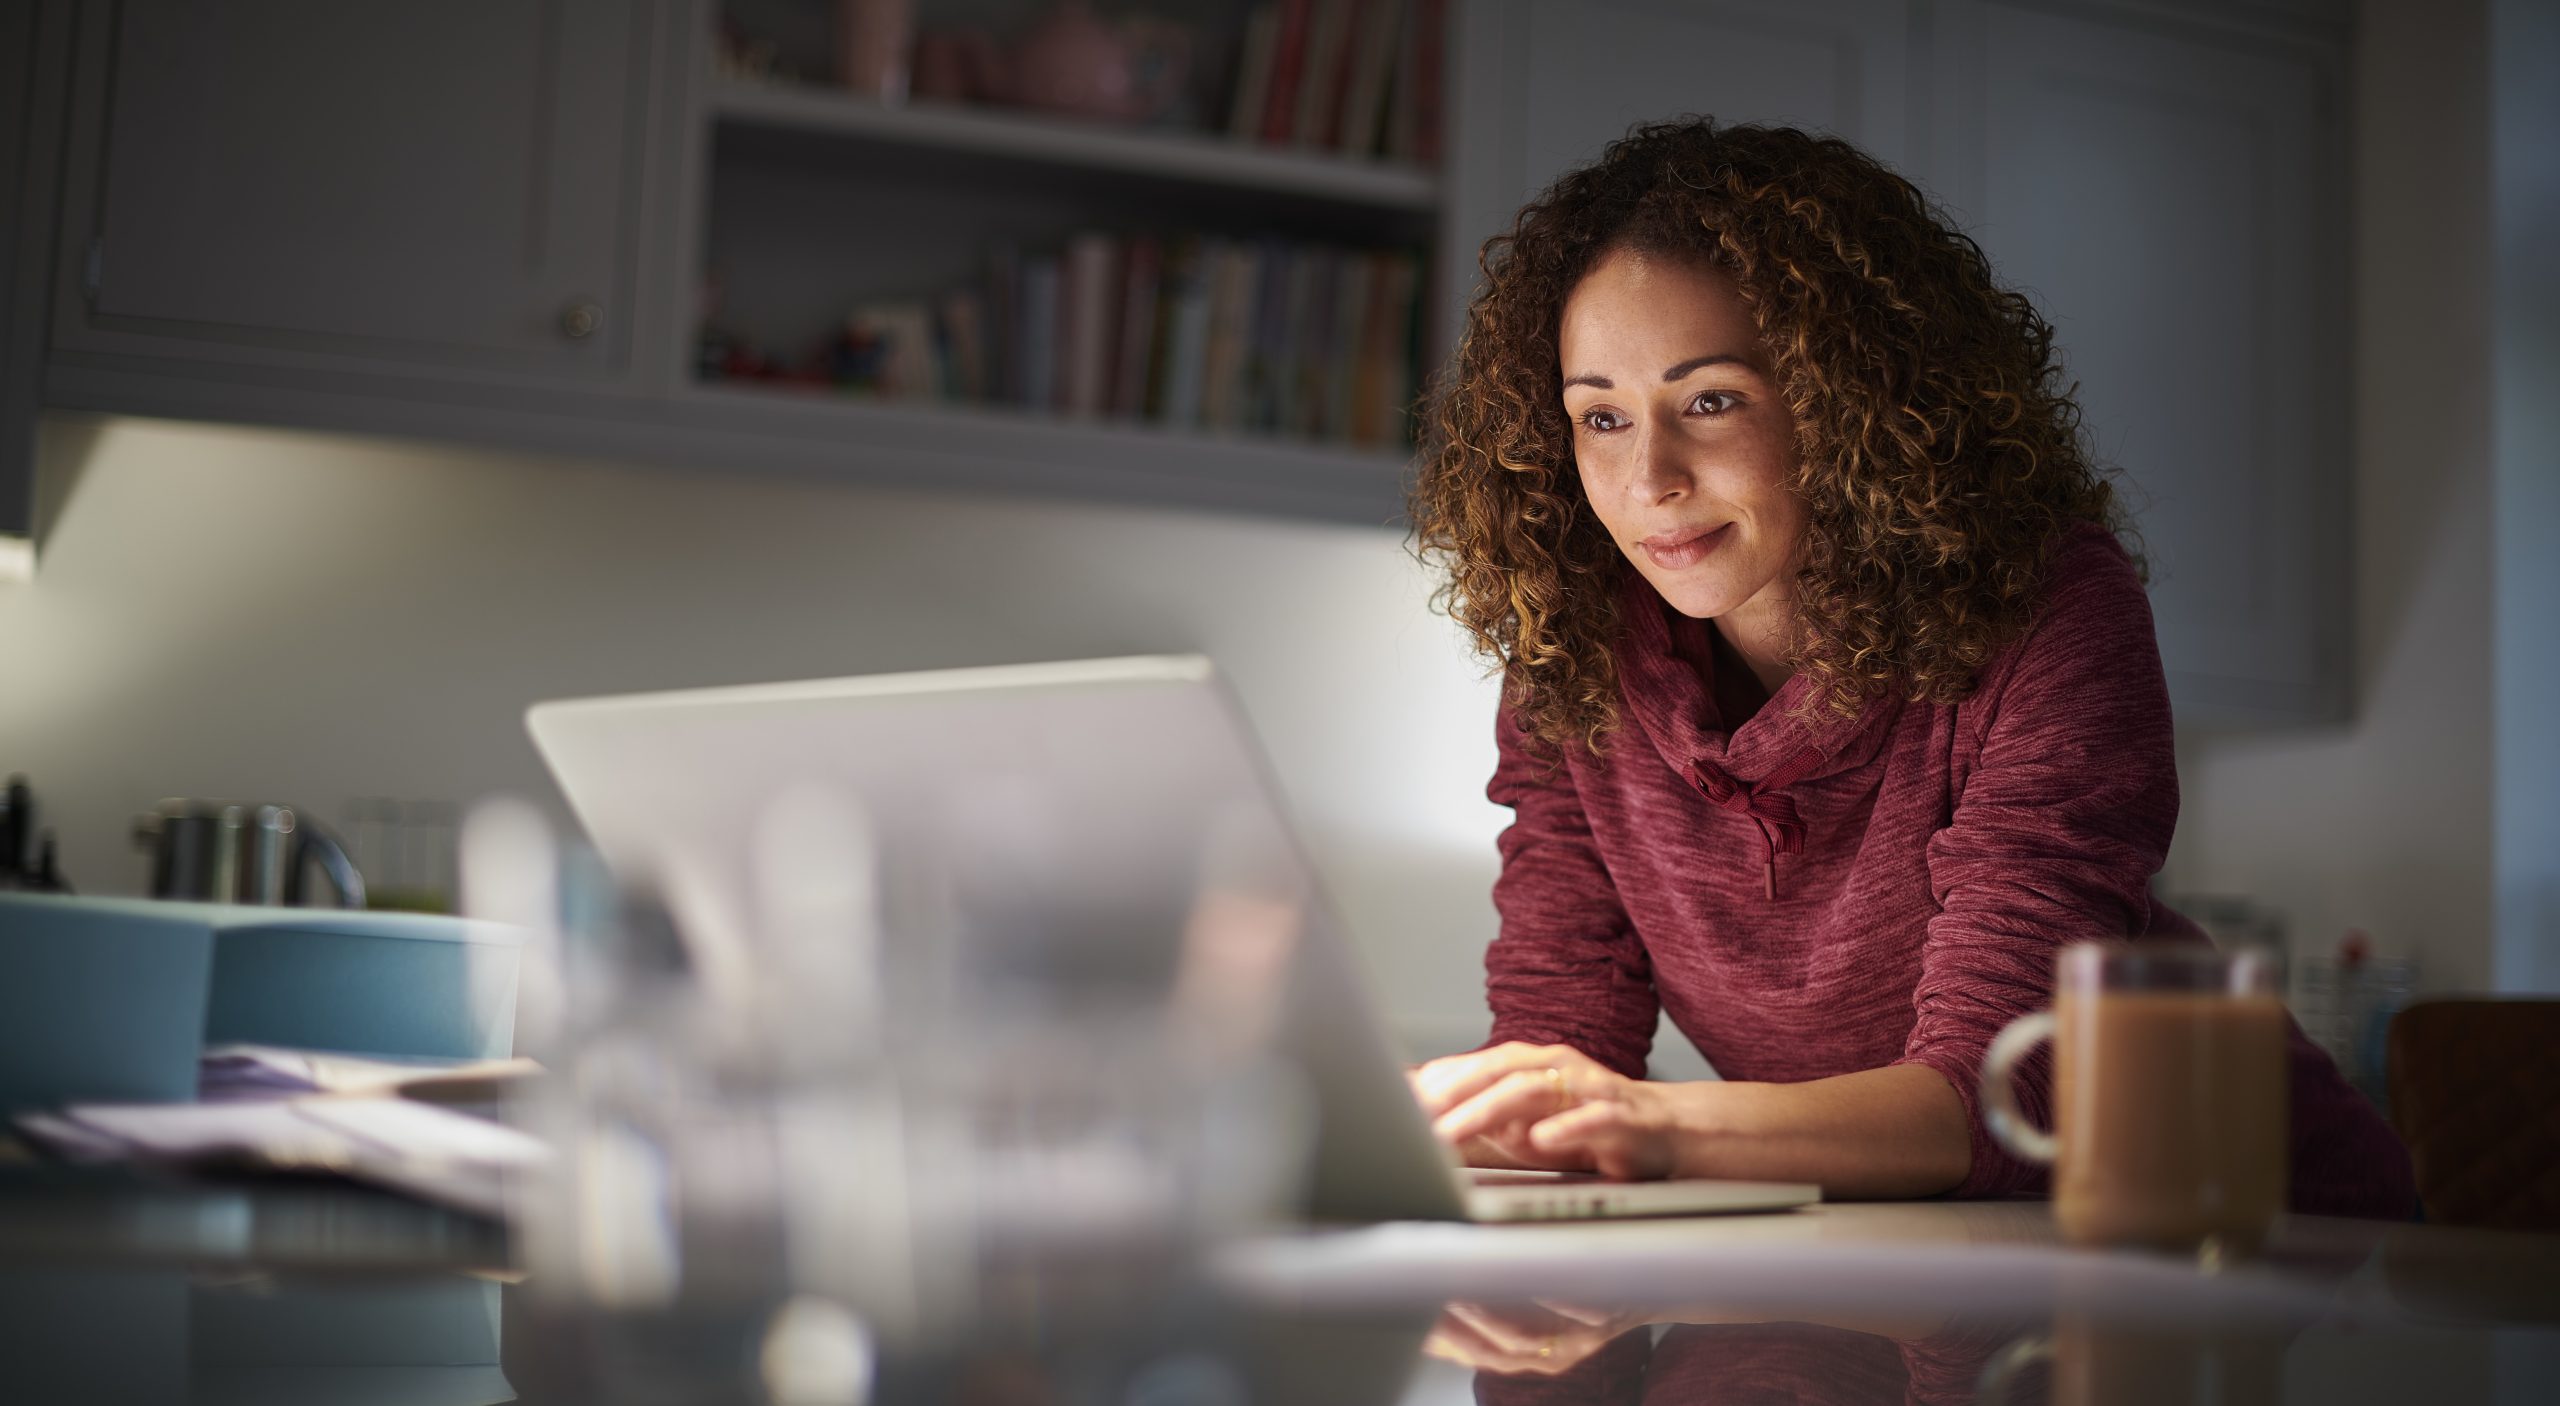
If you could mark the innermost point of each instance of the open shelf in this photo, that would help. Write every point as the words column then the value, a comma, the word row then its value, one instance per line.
column 1174, row 156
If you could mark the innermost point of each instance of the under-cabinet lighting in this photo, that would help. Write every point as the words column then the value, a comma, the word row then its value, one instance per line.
column 17, row 558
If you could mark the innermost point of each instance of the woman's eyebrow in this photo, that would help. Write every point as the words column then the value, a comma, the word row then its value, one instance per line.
column 1710, row 359
column 1694, row 363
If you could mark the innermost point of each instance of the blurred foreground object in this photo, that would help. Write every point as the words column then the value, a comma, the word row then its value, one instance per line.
column 2475, row 1091
column 434, row 1154
column 752, row 1109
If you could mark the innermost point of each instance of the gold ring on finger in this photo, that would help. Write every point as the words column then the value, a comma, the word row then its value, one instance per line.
column 1555, row 1081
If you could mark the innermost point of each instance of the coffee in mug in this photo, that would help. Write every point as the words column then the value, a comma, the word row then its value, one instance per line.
column 2169, row 1095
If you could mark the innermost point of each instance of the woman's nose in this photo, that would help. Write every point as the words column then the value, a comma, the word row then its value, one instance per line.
column 1661, row 473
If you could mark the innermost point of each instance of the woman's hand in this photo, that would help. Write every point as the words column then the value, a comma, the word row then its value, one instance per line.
column 1540, row 1338
column 1552, row 1108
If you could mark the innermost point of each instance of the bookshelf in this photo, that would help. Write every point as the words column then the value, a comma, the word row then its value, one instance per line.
column 830, row 225
column 1005, row 139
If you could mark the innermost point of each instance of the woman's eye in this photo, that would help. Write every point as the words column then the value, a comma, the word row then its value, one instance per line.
column 1713, row 402
column 1602, row 421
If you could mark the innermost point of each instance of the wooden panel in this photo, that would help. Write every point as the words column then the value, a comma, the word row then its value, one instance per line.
column 409, row 181
column 2171, row 201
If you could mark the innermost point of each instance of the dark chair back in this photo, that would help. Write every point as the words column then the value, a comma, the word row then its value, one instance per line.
column 2475, row 1090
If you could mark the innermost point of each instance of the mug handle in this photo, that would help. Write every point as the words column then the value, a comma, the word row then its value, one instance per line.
column 1999, row 1094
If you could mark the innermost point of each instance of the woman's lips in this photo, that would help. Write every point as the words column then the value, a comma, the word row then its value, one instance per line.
column 1675, row 551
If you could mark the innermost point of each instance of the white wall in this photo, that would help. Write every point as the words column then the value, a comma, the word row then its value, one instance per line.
column 259, row 615
column 2386, row 823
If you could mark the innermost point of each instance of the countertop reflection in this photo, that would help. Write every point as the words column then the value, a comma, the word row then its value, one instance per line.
column 125, row 1291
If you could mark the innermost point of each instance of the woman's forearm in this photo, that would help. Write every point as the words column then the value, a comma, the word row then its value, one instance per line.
column 1876, row 1134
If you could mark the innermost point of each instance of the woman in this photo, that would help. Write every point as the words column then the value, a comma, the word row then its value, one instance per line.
column 1831, row 701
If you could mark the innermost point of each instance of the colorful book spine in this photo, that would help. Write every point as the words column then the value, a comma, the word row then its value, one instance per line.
column 1318, row 336
column 1288, row 69
column 1138, row 329
column 1413, row 120
column 1297, row 342
column 1253, row 72
column 1320, row 88
column 1223, row 369
column 1431, row 36
column 1387, row 351
column 1184, row 360
column 1089, row 319
column 1036, row 333
column 1350, row 308
column 960, row 334
column 1373, row 66
column 1267, row 356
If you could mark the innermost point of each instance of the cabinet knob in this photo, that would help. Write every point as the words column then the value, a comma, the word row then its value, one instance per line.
column 581, row 318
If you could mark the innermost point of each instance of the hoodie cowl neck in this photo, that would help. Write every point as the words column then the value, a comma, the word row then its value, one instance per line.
column 1671, row 697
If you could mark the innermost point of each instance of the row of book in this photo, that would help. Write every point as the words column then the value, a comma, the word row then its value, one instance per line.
column 1265, row 335
column 1361, row 77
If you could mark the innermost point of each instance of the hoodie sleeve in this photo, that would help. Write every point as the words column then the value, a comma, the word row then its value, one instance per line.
column 1566, row 967
column 2059, row 822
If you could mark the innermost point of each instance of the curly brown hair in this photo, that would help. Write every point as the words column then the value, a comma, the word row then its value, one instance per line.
column 1941, row 457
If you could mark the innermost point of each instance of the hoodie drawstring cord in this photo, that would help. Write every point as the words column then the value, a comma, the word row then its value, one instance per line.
column 1781, row 832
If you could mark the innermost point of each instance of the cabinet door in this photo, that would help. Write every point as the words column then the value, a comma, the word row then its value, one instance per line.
column 2174, row 201
column 30, row 137
column 1544, row 85
column 418, row 181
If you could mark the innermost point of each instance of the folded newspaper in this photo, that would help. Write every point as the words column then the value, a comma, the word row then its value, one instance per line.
column 297, row 1111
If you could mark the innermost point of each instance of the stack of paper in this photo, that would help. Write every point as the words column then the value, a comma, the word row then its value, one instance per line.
column 235, row 1072
column 429, row 1152
column 266, row 1108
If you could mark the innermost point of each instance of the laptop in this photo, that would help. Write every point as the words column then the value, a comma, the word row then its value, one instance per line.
column 1071, row 820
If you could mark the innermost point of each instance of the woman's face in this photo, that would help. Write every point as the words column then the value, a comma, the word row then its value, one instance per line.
column 1685, row 448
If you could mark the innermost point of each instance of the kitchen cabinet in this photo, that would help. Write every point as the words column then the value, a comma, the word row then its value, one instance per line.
column 2174, row 197
column 2167, row 185
column 444, row 187
column 33, row 38
column 1546, row 84
column 487, row 221
column 507, row 243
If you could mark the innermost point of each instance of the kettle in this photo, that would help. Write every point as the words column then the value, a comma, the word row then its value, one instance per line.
column 212, row 852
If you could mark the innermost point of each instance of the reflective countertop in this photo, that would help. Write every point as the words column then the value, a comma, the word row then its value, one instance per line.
column 116, row 1289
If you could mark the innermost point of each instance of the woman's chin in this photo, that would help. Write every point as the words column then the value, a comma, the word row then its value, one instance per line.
column 1697, row 599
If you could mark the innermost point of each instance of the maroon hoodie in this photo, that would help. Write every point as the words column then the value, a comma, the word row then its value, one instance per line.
column 1809, row 897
